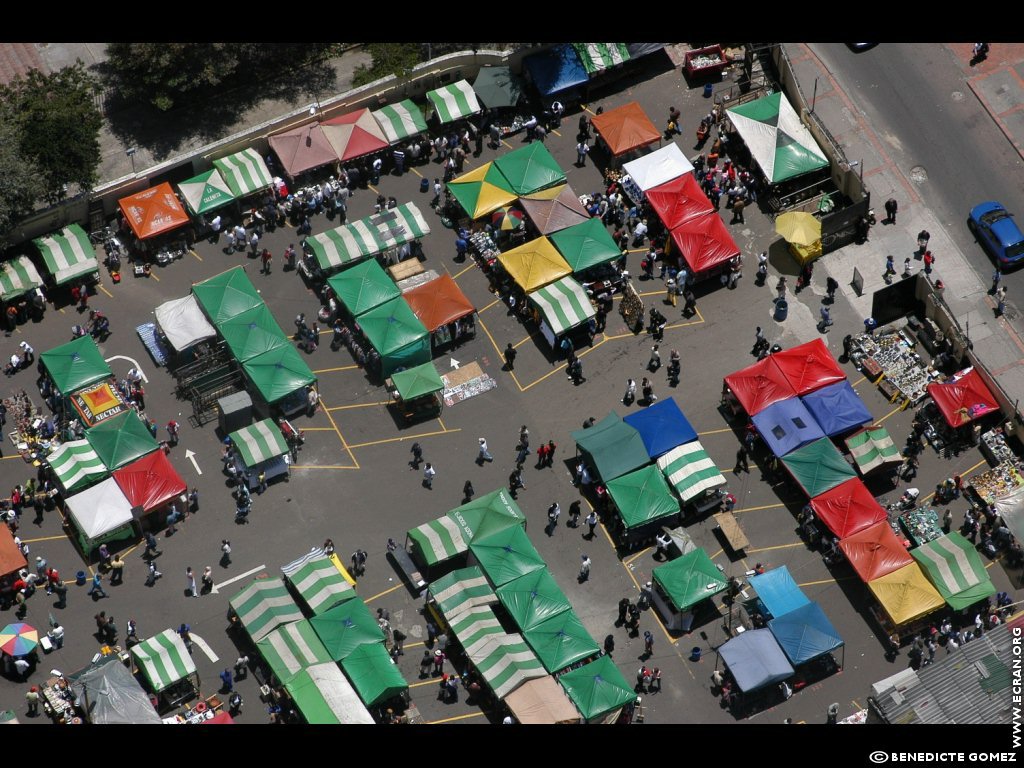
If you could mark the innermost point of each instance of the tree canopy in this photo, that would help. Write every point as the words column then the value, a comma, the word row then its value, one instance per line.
column 22, row 187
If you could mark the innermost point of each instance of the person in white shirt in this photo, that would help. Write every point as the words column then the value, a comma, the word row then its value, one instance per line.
column 215, row 225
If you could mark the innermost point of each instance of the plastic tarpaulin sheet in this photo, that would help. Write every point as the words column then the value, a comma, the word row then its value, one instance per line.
column 533, row 599
column 659, row 167
column 777, row 140
column 530, row 168
column 112, row 694
column 438, row 302
column 555, row 69
column 541, row 701
column 636, row 50
column 787, row 425
column 759, row 385
column 598, row 689
column 534, row 264
column 1011, row 509
column 302, row 149
column 324, row 696
column 354, row 134
column 755, row 659
column 818, row 467
column 906, row 594
column 689, row 579
column 705, row 242
column 964, row 398
column 454, row 102
column 417, row 381
column 397, row 334
column 872, row 448
column 75, row 365
column 183, row 323
column 586, row 245
column 400, row 121
column 121, row 440
column 373, row 674
column 642, row 496
column 498, row 87
column 17, row 277
column 68, row 254
column 259, row 442
column 837, row 408
column 875, row 551
column 554, row 209
column 561, row 641
column 150, row 482
column 506, row 555
column 363, row 286
column 625, row 128
column 205, row 192
column 252, row 333
column 153, row 211
column 482, row 190
column 679, row 200
column 291, row 648
column 564, row 305
column 244, row 172
column 345, row 627
column 278, row 373
column 320, row 585
column 809, row 366
column 163, row 660
column 460, row 591
column 690, row 470
column 263, row 606
column 613, row 446
column 225, row 295
column 954, row 567
column 76, row 466
column 778, row 591
column 847, row 508
column 597, row 57
column 805, row 633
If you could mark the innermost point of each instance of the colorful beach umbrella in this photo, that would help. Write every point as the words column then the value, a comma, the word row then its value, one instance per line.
column 507, row 219
column 18, row 639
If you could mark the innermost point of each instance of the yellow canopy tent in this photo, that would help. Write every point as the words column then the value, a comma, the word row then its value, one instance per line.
column 482, row 190
column 906, row 594
column 535, row 264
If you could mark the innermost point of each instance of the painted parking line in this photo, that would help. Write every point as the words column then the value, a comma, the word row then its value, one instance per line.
column 385, row 592
column 756, row 509
column 463, row 271
column 104, row 289
column 456, row 718
column 826, row 581
column 323, row 466
column 318, row 429
column 715, row 431
column 358, row 405
column 777, row 546
column 43, row 538
column 333, row 370
column 629, row 560
column 890, row 413
column 859, row 381
column 195, row 254
column 341, row 437
column 405, row 437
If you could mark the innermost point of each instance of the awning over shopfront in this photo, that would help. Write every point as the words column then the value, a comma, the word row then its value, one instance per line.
column 506, row 555
column 642, row 496
column 586, row 245
column 689, row 579
column 534, row 264
column 461, row 591
column 561, row 641
column 818, row 467
column 497, row 87
column 778, row 592
column 598, row 689
column 554, row 209
column 625, row 128
column 613, row 446
column 251, row 333
column 354, row 134
column 278, row 373
column 847, row 508
column 320, row 585
column 555, row 69
column 163, row 660
column 418, row 381
column 259, row 442
column 438, row 302
column 324, row 696
column 705, row 242
column 397, row 334
column 76, row 466
column 954, row 567
column 759, row 385
column 263, row 606
column 659, row 167
column 755, row 660
column 17, row 277
column 121, row 440
column 805, row 634
column 226, row 295
column 68, row 254
column 75, row 365
column 454, row 102
column 205, row 192
column 662, row 427
column 873, row 448
column 809, row 366
column 153, row 211
column 373, row 674
column 482, row 190
column 777, row 140
column 596, row 57
column 963, row 398
column 690, row 470
column 345, row 627
column 837, row 408
column 679, row 200
column 400, row 121
column 875, row 551
column 530, row 168
column 302, row 149
column 183, row 322
column 291, row 648
column 533, row 599
column 363, row 286
column 906, row 594
column 245, row 172
column 787, row 425
column 563, row 305
column 150, row 482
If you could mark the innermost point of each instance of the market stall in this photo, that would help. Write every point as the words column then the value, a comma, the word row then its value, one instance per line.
column 75, row 365
column 530, row 168
column 905, row 596
column 755, row 387
column 400, row 121
column 482, row 190
column 995, row 448
column 262, row 607
column 534, row 264
column 151, row 482
column 167, row 667
column 152, row 212
column 890, row 360
column 837, row 408
column 554, row 209
column 662, row 427
column 460, row 591
column 324, row 696
column 963, row 398
column 872, row 448
column 444, row 310
column 99, row 515
column 706, row 244
column 586, row 245
column 182, row 323
column 809, row 366
column 345, row 627
column 875, row 551
column 252, row 333
column 380, row 234
column 109, row 694
column 682, row 585
column 12, row 559
column 847, row 508
column 818, row 467
column 625, row 129
column 354, row 134
column 643, row 503
column 281, row 378
column 555, row 70
column 921, row 525
column 18, row 276
column 453, row 102
column 954, row 567
column 786, row 425
column 436, row 542
column 498, row 87
column 805, row 634
column 505, row 555
column 245, row 173
column 206, row 192
column 291, row 648
column 992, row 484
column 397, row 335
column 416, row 392
column 564, row 309
column 227, row 295
column 597, row 57
column 121, row 440
column 374, row 675
column 561, row 641
column 598, row 690
column 655, row 169
column 97, row 403
column 320, row 586
column 611, row 447
column 260, row 448
column 693, row 474
column 76, row 466
column 777, row 593
column 755, row 660
column 778, row 142
column 678, row 200
column 302, row 149
column 363, row 286
column 541, row 701
column 68, row 255
column 533, row 599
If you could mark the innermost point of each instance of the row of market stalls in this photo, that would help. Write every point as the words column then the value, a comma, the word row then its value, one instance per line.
column 563, row 70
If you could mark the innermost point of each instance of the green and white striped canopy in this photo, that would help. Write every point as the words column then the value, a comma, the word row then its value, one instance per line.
column 455, row 101
column 368, row 237
column 437, row 541
column 320, row 585
column 164, row 660
column 504, row 661
column 872, row 448
column 400, row 121
column 68, row 254
column 690, row 470
column 324, row 696
column 954, row 567
column 564, row 305
column 76, row 466
column 474, row 625
column 18, row 276
column 259, row 442
column 291, row 648
column 460, row 591
column 245, row 172
column 206, row 191
column 599, row 56
column 263, row 606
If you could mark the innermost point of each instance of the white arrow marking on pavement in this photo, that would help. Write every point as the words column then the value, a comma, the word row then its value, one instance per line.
column 205, row 647
column 191, row 456
column 455, row 363
column 217, row 585
column 132, row 361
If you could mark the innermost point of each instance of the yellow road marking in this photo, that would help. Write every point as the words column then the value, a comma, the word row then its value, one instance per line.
column 715, row 431
column 755, row 509
column 407, row 437
column 457, row 717
column 327, row 412
column 385, row 592
column 358, row 405
column 777, row 546
column 890, row 413
column 8, row 458
column 318, row 429
column 195, row 254
column 562, row 366
column 462, row 272
column 496, row 301
column 825, row 581
column 321, row 466
column 104, row 289
column 637, row 555
column 43, row 538
column 154, row 276
column 497, row 349
column 332, row 370
column 858, row 381
column 421, row 683
column 416, row 172
column 531, row 336
column 442, row 424
column 717, row 553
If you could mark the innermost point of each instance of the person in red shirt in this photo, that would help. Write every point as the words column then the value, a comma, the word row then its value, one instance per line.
column 52, row 579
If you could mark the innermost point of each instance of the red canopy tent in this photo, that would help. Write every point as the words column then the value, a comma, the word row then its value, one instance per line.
column 963, row 398
column 705, row 242
column 302, row 149
column 625, row 128
column 759, row 385
column 11, row 558
column 355, row 134
column 153, row 211
column 438, row 302
column 150, row 481
column 221, row 718
column 848, row 508
column 875, row 551
column 809, row 366
column 678, row 201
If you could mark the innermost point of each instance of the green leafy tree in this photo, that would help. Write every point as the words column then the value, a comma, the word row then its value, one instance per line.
column 22, row 187
column 57, row 125
column 387, row 59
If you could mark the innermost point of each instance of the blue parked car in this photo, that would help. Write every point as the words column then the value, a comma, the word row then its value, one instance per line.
column 996, row 229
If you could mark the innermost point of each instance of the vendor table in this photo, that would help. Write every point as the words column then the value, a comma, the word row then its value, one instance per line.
column 730, row 528
column 921, row 525
column 994, row 448
column 404, row 269
column 999, row 481
column 893, row 355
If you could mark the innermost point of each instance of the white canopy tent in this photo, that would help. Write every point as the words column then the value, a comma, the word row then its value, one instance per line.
column 100, row 513
column 658, row 167
column 183, row 322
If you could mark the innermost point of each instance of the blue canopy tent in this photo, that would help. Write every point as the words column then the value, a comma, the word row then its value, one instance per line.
column 556, row 69
column 837, row 408
column 755, row 660
column 786, row 426
column 662, row 427
column 777, row 592
column 805, row 634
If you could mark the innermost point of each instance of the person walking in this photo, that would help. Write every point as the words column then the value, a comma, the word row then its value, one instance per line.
column 554, row 511
column 630, row 395
column 151, row 548
column 648, row 643
column 922, row 240
column 152, row 574
column 891, row 206
column 582, row 150
column 1001, row 301
column 190, row 583
column 929, row 261
column 266, row 258
column 654, row 363
column 428, row 476
column 780, row 289
column 207, row 580
column 584, row 569
column 549, row 455
column 890, row 269
column 484, row 454
column 826, row 319
column 510, row 356
column 97, row 586
column 225, row 556
column 741, row 461
column 670, row 292
column 574, row 514
column 227, row 682
column 737, row 211
column 417, row 455
column 591, row 521
column 831, row 286
column 515, row 481
column 467, row 492
column 116, row 570
column 997, row 277
column 32, row 699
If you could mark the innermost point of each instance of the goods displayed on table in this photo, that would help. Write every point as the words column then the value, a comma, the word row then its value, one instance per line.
column 483, row 244
column 998, row 481
column 34, row 433
column 995, row 449
column 921, row 525
column 893, row 354
column 633, row 192
column 516, row 126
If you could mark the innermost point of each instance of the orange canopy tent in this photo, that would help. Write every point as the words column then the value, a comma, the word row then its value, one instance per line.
column 625, row 128
column 438, row 302
column 11, row 558
column 153, row 211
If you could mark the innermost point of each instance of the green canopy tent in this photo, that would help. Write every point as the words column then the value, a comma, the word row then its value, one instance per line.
column 418, row 381
column 324, row 696
column 17, row 277
column 454, row 102
column 460, row 591
column 320, row 585
column 278, row 373
column 506, row 555
column 259, row 442
column 954, row 567
column 364, row 286
column 585, row 245
column 474, row 625
column 68, row 254
column 598, row 690
column 399, row 337
column 561, row 641
column 291, row 648
column 530, row 168
column 498, row 87
column 690, row 470
column 263, row 606
column 245, row 172
column 642, row 497
column 400, row 121
column 482, row 190
column 597, row 57
column 121, row 440
column 163, row 660
column 818, row 467
column 533, row 599
column 563, row 305
column 345, row 627
column 226, row 295
column 373, row 674
column 205, row 192
column 689, row 579
column 75, row 365
column 777, row 140
column 872, row 448
column 437, row 541
column 76, row 466
column 488, row 514
column 612, row 446
column 252, row 333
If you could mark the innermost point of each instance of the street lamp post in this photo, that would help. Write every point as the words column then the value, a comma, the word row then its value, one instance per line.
column 131, row 153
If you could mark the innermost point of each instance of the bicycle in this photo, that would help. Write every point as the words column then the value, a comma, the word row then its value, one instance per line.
column 101, row 236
